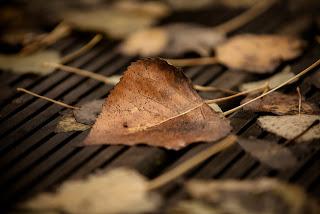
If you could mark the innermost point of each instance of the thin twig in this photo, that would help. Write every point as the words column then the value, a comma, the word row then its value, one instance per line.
column 80, row 72
column 260, row 88
column 316, row 122
column 193, row 61
column 47, row 98
column 95, row 40
column 60, row 31
column 213, row 89
column 191, row 163
column 245, row 17
column 300, row 99
column 310, row 68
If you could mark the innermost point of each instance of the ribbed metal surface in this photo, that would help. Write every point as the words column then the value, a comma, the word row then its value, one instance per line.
column 33, row 158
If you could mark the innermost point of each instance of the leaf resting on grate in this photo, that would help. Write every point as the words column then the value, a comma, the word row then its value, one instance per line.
column 155, row 103
column 280, row 104
column 117, row 191
column 258, row 53
column 88, row 112
column 120, row 19
column 290, row 126
column 172, row 40
column 29, row 64
column 250, row 197
column 271, row 154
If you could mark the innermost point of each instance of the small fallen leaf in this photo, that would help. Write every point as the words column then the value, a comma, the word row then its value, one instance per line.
column 251, row 197
column 280, row 104
column 289, row 126
column 269, row 153
column 30, row 63
column 172, row 40
column 273, row 81
column 88, row 112
column 258, row 53
column 68, row 123
column 170, row 114
column 119, row 20
column 117, row 191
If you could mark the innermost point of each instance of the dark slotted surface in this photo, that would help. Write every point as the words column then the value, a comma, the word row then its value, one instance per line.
column 33, row 158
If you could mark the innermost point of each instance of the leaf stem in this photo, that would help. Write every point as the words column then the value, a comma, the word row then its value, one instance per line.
column 245, row 17
column 60, row 31
column 300, row 99
column 95, row 40
column 213, row 89
column 47, row 98
column 297, row 76
column 80, row 72
column 193, row 61
column 191, row 163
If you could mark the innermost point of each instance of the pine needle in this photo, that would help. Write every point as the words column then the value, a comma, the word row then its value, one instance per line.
column 308, row 69
column 213, row 89
column 47, row 98
column 193, row 61
column 80, row 72
column 192, row 162
column 245, row 17
column 95, row 40
column 300, row 99
column 261, row 88
column 60, row 31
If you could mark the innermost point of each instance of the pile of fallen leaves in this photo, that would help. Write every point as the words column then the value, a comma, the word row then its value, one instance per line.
column 154, row 103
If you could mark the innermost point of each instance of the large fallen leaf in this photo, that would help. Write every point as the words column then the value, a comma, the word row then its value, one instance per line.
column 117, row 191
column 88, row 112
column 155, row 103
column 249, row 197
column 273, row 81
column 29, row 63
column 172, row 40
column 118, row 20
column 68, row 123
column 269, row 153
column 280, row 104
column 289, row 126
column 258, row 53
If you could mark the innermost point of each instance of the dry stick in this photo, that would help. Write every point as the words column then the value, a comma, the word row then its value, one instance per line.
column 300, row 99
column 60, row 31
column 47, row 98
column 80, row 72
column 95, row 40
column 314, row 65
column 213, row 89
column 316, row 122
column 192, row 162
column 225, row 28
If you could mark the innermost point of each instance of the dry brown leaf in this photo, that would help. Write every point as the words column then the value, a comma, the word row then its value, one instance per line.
column 29, row 64
column 117, row 191
column 269, row 153
column 258, row 53
column 289, row 126
column 88, row 112
column 68, row 123
column 172, row 40
column 273, row 81
column 119, row 20
column 280, row 104
column 170, row 114
column 251, row 197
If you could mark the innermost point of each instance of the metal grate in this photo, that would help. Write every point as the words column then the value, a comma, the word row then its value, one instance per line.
column 33, row 158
